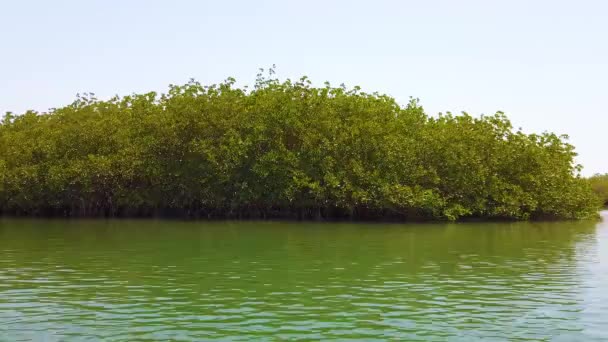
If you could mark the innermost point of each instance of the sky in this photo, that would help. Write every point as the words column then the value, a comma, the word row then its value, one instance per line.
column 544, row 62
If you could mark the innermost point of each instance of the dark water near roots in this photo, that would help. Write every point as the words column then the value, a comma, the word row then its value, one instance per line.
column 159, row 280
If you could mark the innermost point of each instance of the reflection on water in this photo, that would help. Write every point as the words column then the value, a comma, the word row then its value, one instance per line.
column 129, row 280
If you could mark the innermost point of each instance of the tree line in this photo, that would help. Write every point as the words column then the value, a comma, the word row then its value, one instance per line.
column 599, row 184
column 282, row 149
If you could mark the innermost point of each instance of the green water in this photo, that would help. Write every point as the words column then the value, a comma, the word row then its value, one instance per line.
column 163, row 280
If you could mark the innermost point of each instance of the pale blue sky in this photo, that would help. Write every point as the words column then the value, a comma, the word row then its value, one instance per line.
column 545, row 63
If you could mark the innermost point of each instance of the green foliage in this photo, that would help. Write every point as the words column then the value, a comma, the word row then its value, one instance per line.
column 283, row 149
column 599, row 184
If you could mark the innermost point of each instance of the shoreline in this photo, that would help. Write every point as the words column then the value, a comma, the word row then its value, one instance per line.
column 388, row 220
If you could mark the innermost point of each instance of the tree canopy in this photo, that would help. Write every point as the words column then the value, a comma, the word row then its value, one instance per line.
column 599, row 184
column 282, row 149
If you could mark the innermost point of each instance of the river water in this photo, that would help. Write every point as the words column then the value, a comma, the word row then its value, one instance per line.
column 130, row 280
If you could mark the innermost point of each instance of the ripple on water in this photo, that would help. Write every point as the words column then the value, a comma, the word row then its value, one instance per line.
column 191, row 281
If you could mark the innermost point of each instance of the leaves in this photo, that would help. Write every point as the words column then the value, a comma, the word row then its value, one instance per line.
column 283, row 149
column 599, row 184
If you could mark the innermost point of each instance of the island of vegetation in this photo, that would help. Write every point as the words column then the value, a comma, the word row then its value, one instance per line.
column 282, row 149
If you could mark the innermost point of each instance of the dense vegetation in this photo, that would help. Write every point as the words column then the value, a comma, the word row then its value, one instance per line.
column 282, row 149
column 599, row 184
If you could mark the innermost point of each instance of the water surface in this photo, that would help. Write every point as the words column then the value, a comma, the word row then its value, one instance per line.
column 168, row 280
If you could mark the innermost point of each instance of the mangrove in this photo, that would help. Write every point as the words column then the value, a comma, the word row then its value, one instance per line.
column 282, row 149
column 599, row 184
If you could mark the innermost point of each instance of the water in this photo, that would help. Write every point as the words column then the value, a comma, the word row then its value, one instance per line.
column 158, row 280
